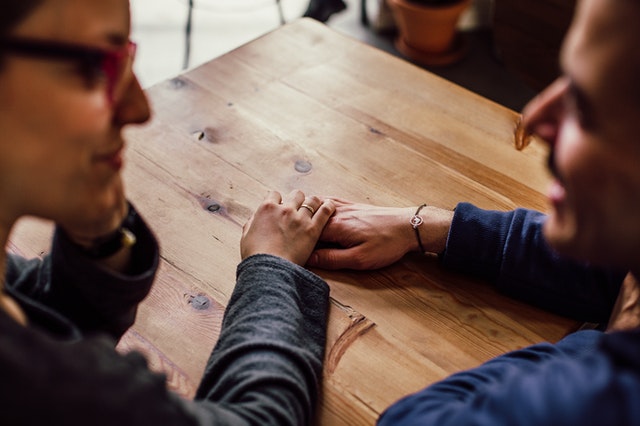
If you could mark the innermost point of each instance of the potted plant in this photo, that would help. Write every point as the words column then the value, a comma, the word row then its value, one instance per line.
column 427, row 29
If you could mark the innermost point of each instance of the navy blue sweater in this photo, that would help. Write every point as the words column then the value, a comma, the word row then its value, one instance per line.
column 588, row 378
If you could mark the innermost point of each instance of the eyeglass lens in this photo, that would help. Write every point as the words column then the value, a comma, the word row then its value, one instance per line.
column 116, row 65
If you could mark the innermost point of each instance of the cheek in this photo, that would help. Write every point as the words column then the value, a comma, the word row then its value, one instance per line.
column 602, row 206
column 578, row 170
column 49, row 136
column 46, row 114
column 61, row 138
column 78, row 114
column 579, row 162
column 48, row 146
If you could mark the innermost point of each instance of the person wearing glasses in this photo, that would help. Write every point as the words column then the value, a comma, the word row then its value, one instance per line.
column 572, row 261
column 67, row 90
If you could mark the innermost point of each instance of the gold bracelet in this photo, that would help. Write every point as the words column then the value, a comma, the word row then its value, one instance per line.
column 415, row 222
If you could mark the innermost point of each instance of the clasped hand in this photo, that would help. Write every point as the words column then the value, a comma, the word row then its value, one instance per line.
column 287, row 227
column 362, row 236
column 340, row 234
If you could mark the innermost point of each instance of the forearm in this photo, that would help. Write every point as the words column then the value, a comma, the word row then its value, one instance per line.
column 266, row 367
column 541, row 384
column 509, row 250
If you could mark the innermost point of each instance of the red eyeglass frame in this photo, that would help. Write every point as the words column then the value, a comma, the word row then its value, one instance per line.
column 112, row 62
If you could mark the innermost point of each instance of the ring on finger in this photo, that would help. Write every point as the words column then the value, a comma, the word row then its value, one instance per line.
column 308, row 207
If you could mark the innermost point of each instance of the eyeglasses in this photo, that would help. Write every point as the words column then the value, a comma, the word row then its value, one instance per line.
column 111, row 64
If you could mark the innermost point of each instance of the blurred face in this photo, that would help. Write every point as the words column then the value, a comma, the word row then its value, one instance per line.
column 590, row 117
column 61, row 120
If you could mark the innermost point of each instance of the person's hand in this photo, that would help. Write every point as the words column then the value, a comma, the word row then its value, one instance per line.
column 286, row 227
column 362, row 236
column 626, row 311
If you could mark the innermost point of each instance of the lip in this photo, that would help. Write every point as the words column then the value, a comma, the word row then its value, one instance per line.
column 112, row 159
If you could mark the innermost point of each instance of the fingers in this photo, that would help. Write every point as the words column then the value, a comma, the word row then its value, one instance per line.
column 288, row 227
column 307, row 204
column 326, row 209
column 338, row 201
column 308, row 208
column 274, row 197
column 335, row 258
column 294, row 199
column 311, row 207
column 317, row 209
column 311, row 204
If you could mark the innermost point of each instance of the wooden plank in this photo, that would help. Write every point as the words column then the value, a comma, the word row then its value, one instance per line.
column 307, row 108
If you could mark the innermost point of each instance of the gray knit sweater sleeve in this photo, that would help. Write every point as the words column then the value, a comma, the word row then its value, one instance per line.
column 266, row 367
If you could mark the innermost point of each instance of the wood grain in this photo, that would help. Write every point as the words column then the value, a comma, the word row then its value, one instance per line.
column 305, row 107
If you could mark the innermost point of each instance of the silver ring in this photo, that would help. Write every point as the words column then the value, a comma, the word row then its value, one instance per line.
column 308, row 207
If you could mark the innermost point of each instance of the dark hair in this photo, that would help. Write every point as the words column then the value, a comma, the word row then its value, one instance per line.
column 13, row 12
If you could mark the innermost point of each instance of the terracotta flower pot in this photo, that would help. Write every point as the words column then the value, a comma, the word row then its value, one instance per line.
column 428, row 34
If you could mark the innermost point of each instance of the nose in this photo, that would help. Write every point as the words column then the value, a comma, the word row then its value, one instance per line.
column 133, row 106
column 543, row 113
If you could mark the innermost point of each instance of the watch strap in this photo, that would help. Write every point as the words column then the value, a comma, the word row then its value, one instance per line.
column 110, row 244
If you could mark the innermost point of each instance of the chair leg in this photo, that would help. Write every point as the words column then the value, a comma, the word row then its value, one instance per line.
column 187, row 37
column 364, row 18
column 280, row 12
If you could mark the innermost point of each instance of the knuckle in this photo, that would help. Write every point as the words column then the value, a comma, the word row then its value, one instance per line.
column 314, row 199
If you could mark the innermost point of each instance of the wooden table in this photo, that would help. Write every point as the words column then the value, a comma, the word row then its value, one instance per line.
column 305, row 107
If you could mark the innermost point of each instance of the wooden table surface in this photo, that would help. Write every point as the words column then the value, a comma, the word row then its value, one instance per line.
column 305, row 107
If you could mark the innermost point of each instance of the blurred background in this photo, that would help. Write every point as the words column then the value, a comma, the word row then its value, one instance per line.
column 512, row 53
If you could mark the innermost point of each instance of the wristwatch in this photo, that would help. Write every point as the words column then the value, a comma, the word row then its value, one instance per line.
column 117, row 240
